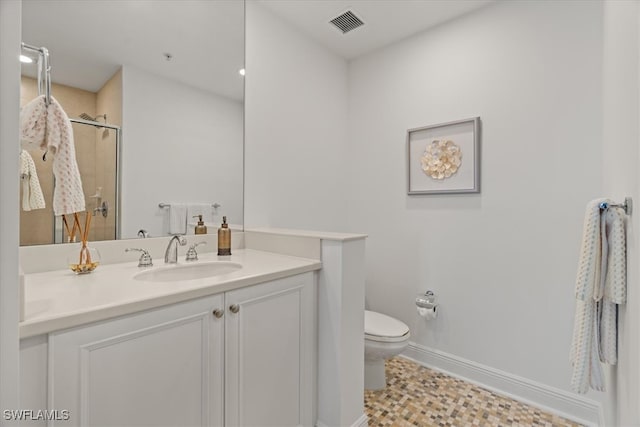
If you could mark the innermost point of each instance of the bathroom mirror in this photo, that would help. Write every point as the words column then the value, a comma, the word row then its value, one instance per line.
column 167, row 73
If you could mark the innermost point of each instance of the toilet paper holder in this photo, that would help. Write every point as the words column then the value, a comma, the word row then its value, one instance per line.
column 426, row 300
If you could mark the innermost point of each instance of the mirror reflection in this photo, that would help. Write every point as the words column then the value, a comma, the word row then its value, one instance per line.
column 155, row 94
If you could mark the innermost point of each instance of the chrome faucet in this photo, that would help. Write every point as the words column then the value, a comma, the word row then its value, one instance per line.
column 192, row 255
column 171, row 254
column 145, row 259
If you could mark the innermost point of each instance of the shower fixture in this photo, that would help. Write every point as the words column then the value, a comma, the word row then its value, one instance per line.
column 85, row 116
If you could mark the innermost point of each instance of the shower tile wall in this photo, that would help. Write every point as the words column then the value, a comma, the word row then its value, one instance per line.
column 109, row 102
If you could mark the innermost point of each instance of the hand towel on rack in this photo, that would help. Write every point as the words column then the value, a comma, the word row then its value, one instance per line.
column 48, row 127
column 177, row 219
column 614, row 283
column 615, row 286
column 584, row 347
column 590, row 253
column 32, row 197
column 600, row 285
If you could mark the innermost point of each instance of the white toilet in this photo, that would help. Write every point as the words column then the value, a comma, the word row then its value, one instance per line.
column 384, row 337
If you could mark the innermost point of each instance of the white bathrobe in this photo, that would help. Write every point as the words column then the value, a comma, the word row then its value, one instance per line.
column 600, row 287
column 48, row 128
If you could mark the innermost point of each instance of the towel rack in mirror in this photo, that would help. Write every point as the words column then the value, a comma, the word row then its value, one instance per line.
column 44, row 70
column 168, row 205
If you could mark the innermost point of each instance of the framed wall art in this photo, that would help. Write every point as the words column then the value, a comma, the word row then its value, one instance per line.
column 444, row 158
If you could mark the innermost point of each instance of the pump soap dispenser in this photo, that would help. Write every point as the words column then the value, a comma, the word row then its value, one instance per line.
column 224, row 238
column 200, row 227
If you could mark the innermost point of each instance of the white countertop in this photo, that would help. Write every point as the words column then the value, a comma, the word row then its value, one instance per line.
column 323, row 235
column 56, row 300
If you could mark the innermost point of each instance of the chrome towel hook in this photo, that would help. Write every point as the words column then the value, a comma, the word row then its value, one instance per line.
column 627, row 205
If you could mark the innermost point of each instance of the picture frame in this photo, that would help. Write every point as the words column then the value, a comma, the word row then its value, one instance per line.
column 444, row 158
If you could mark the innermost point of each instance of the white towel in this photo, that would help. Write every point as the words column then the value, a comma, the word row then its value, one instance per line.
column 33, row 124
column 614, row 284
column 32, row 197
column 177, row 218
column 590, row 253
column 600, row 286
column 584, row 346
column 48, row 127
column 615, row 287
column 586, row 367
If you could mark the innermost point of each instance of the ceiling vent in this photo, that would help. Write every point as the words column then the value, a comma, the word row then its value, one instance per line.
column 346, row 22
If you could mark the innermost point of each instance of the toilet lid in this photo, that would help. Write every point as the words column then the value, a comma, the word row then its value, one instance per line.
column 380, row 325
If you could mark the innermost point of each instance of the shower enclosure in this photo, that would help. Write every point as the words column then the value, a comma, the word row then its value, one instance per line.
column 97, row 153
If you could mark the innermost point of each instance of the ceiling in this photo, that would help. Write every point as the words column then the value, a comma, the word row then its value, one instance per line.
column 89, row 40
column 385, row 21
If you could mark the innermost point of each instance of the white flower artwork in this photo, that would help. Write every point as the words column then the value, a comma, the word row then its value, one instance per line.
column 444, row 158
column 441, row 159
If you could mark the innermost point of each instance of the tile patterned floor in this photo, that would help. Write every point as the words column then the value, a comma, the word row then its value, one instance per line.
column 417, row 396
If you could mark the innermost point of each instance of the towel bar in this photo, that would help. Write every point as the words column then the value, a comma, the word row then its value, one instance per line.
column 627, row 205
column 168, row 205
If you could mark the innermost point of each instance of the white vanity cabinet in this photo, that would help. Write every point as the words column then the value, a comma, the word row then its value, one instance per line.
column 245, row 357
column 162, row 367
column 270, row 347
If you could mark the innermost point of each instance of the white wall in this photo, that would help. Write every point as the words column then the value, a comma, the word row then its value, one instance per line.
column 502, row 262
column 10, row 27
column 295, row 135
column 620, row 179
column 180, row 145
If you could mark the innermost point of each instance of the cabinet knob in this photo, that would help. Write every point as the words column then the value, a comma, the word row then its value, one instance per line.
column 234, row 308
column 218, row 313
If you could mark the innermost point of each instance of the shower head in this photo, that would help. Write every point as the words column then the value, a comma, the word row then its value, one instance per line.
column 85, row 116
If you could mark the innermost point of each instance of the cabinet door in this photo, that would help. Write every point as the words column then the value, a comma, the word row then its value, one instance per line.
column 33, row 377
column 158, row 368
column 269, row 353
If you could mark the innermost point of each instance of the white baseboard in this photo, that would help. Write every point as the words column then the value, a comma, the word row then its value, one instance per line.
column 568, row 405
column 363, row 421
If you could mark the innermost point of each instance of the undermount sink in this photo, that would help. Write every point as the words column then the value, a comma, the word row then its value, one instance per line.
column 180, row 272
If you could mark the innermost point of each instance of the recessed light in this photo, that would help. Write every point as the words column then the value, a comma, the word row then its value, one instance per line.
column 241, row 72
column 25, row 59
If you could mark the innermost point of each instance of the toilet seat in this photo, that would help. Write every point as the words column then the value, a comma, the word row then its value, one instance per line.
column 382, row 328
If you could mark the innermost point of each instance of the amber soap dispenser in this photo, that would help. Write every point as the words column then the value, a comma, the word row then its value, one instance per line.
column 224, row 238
column 200, row 227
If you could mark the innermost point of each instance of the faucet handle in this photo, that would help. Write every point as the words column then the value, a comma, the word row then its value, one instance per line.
column 145, row 259
column 192, row 255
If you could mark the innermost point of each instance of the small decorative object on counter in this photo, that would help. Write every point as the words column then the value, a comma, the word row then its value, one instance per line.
column 224, row 238
column 89, row 258
column 200, row 228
